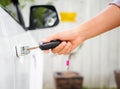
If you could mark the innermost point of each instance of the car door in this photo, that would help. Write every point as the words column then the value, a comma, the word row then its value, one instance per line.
column 24, row 72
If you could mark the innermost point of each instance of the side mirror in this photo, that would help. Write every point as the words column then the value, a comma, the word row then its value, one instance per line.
column 43, row 16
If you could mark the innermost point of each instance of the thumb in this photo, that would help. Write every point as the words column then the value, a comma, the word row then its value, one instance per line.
column 50, row 38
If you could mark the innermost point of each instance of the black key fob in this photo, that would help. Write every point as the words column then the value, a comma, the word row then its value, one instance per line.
column 49, row 45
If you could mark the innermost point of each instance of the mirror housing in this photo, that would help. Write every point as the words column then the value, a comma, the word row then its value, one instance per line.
column 43, row 16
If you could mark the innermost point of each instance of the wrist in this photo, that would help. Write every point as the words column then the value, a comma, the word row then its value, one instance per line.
column 81, row 33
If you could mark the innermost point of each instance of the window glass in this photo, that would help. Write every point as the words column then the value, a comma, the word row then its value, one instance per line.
column 9, row 7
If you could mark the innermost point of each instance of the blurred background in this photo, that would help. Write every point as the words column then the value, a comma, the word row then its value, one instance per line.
column 97, row 58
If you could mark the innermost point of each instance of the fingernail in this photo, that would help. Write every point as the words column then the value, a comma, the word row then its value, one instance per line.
column 64, row 42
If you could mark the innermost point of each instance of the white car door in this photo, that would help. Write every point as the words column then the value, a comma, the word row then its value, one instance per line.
column 24, row 72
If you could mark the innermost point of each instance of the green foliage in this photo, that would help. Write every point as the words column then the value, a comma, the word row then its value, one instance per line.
column 50, row 3
column 84, row 87
column 38, row 14
column 4, row 2
column 24, row 2
column 7, row 2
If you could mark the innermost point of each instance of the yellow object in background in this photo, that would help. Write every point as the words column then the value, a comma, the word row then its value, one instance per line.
column 68, row 16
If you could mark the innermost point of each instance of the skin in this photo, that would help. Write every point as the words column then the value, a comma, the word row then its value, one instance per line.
column 108, row 19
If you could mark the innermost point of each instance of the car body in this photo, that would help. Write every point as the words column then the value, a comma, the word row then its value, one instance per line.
column 25, row 72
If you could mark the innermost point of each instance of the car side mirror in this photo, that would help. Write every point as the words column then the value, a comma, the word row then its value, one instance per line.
column 43, row 16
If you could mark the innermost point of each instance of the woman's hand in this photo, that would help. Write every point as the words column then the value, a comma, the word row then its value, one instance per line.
column 103, row 22
column 70, row 40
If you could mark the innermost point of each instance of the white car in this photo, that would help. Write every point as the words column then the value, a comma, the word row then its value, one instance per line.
column 23, row 72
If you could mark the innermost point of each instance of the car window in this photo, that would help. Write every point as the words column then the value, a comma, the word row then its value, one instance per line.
column 9, row 8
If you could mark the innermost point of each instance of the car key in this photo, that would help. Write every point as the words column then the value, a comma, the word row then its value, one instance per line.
column 24, row 50
column 49, row 45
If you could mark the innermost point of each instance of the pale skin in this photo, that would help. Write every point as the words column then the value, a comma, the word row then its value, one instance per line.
column 108, row 19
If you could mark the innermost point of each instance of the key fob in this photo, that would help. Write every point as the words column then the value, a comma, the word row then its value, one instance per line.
column 49, row 45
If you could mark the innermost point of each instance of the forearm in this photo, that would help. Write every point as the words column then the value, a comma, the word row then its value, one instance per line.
column 105, row 21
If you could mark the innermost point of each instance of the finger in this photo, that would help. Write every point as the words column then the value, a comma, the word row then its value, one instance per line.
column 46, row 51
column 69, row 51
column 66, row 49
column 59, row 47
column 50, row 38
